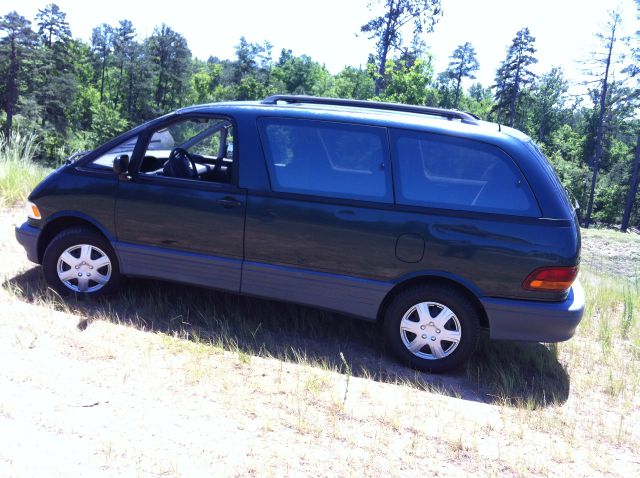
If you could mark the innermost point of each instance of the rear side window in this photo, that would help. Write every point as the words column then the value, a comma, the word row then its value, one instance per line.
column 327, row 159
column 454, row 173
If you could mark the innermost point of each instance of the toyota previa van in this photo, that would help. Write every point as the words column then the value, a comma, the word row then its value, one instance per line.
column 430, row 221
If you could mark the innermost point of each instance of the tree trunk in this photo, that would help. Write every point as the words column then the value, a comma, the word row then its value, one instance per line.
column 384, row 51
column 104, row 67
column 119, row 85
column 12, row 93
column 542, row 130
column 455, row 103
column 514, row 99
column 130, row 92
column 633, row 189
column 597, row 152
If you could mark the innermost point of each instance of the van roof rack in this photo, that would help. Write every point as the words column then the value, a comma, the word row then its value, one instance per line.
column 378, row 105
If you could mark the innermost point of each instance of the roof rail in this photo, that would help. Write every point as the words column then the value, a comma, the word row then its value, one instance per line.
column 378, row 105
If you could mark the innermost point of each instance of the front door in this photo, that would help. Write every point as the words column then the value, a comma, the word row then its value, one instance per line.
column 179, row 214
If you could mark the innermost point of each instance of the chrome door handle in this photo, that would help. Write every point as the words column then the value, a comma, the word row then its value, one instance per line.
column 228, row 202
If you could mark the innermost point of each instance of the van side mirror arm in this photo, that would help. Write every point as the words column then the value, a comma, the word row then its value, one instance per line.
column 121, row 166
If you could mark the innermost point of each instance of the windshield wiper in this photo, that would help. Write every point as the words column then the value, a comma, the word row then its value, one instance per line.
column 75, row 156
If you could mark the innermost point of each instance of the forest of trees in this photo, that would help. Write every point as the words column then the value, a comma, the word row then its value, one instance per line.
column 74, row 95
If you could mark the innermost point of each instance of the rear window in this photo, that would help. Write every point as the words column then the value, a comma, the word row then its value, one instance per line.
column 454, row 173
column 327, row 159
column 548, row 168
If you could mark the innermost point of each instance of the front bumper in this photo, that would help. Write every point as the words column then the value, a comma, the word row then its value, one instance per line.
column 27, row 236
column 534, row 321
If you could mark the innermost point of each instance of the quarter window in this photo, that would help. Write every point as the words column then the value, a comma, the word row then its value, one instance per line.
column 446, row 172
column 105, row 161
column 327, row 159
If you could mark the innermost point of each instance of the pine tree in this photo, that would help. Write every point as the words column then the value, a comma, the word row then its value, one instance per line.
column 514, row 75
column 123, row 47
column 633, row 189
column 102, row 46
column 634, row 71
column 16, row 47
column 56, row 82
column 604, row 61
column 171, row 60
column 462, row 65
column 52, row 25
column 386, row 28
column 549, row 97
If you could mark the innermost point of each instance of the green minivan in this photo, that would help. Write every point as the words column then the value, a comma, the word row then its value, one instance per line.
column 430, row 221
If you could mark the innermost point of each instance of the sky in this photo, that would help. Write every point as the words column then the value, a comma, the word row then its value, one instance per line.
column 328, row 31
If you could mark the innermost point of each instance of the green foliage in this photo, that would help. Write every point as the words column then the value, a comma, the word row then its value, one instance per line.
column 171, row 62
column 548, row 104
column 73, row 95
column 564, row 150
column 607, row 202
column 206, row 84
column 355, row 83
column 479, row 101
column 301, row 75
column 408, row 83
column 250, row 89
column 386, row 28
column 106, row 123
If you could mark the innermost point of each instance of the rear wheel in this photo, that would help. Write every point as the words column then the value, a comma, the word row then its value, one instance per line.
column 78, row 260
column 432, row 328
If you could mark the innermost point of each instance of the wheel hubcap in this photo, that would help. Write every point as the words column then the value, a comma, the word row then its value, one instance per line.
column 430, row 330
column 84, row 268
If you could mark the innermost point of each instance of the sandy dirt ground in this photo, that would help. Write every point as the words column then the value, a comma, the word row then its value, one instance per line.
column 82, row 396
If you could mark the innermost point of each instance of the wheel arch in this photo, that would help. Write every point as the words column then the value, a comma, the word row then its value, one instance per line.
column 433, row 279
column 62, row 221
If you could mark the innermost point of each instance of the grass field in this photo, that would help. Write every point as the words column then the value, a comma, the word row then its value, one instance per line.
column 168, row 380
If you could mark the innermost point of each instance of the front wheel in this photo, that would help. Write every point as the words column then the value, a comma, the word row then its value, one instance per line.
column 78, row 260
column 432, row 328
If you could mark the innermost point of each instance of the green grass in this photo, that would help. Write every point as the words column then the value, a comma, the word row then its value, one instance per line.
column 19, row 174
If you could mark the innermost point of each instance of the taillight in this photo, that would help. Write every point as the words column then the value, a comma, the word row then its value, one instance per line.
column 551, row 279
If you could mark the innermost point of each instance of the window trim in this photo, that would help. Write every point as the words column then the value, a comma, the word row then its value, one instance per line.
column 534, row 210
column 383, row 132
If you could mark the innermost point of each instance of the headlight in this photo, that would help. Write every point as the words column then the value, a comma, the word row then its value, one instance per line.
column 32, row 211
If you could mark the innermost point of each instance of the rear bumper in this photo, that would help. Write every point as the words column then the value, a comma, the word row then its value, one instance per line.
column 535, row 321
column 27, row 236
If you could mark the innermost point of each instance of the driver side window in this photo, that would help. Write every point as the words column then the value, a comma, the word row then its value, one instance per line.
column 196, row 148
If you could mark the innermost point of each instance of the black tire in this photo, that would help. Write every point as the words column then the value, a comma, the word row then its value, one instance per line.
column 463, row 323
column 71, row 240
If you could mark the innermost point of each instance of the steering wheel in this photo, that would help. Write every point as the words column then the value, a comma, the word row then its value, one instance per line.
column 180, row 154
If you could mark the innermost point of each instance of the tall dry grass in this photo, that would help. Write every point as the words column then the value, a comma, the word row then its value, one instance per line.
column 19, row 173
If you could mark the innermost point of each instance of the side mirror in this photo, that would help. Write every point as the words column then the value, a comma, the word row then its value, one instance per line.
column 121, row 164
